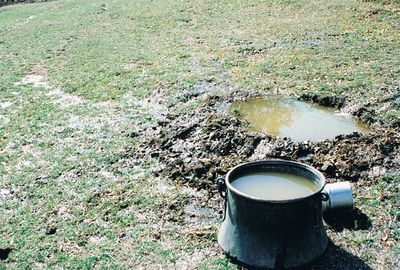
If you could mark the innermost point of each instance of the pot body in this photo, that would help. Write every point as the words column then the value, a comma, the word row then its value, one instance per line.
column 273, row 234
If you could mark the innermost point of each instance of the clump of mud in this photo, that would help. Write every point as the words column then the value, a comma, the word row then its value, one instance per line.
column 198, row 147
column 353, row 157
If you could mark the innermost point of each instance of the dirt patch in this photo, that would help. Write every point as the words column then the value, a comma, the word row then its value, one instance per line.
column 333, row 101
column 35, row 80
column 60, row 98
column 64, row 100
column 4, row 120
column 198, row 147
column 4, row 193
column 5, row 105
column 370, row 111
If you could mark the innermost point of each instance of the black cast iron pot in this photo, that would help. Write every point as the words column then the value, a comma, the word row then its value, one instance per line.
column 272, row 233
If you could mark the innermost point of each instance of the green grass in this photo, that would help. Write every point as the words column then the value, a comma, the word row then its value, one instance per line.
column 85, row 47
column 65, row 166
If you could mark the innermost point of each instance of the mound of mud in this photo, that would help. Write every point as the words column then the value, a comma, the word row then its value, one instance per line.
column 198, row 147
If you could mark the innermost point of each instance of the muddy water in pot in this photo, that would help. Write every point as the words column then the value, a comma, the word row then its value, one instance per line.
column 274, row 185
column 295, row 119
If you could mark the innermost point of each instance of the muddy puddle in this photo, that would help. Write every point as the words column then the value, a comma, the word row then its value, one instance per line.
column 295, row 119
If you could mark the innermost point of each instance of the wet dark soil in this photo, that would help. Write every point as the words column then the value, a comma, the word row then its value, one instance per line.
column 199, row 146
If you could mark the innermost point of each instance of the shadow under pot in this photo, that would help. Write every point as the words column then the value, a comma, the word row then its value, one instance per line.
column 273, row 214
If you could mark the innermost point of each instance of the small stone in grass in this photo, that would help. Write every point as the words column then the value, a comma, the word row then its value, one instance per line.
column 51, row 230
column 4, row 252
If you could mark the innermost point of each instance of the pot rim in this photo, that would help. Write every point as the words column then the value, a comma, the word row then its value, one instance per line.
column 313, row 170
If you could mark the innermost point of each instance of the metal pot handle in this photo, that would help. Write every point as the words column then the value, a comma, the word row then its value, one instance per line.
column 324, row 196
column 221, row 186
column 337, row 196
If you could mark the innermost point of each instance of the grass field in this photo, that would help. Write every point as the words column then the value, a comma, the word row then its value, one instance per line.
column 78, row 78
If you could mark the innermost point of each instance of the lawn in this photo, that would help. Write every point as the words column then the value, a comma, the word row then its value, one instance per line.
column 83, row 81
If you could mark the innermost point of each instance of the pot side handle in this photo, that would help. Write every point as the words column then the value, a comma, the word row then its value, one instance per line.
column 337, row 196
column 221, row 186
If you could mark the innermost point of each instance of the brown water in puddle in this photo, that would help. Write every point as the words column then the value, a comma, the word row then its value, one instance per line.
column 274, row 185
column 295, row 119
